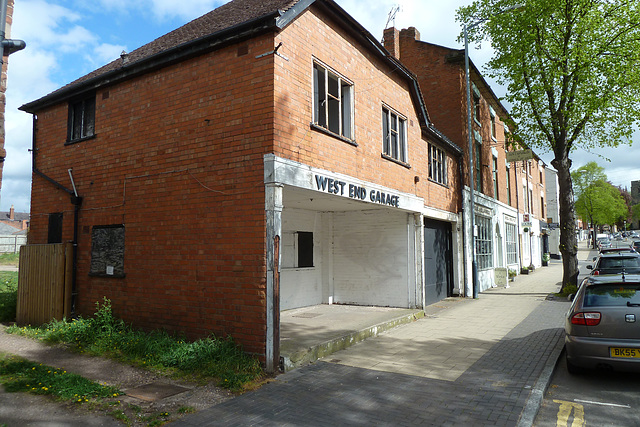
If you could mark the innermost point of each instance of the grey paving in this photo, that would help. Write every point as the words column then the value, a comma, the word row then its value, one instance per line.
column 485, row 362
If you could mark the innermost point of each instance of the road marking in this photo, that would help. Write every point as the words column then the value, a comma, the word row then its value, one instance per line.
column 565, row 411
column 615, row 405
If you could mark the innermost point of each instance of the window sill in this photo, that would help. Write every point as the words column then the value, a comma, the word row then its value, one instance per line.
column 298, row 268
column 74, row 141
column 399, row 162
column 334, row 135
column 109, row 276
column 438, row 183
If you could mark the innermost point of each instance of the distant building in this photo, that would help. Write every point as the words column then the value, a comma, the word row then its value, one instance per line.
column 13, row 230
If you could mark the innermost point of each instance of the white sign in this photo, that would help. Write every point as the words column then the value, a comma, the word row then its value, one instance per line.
column 517, row 156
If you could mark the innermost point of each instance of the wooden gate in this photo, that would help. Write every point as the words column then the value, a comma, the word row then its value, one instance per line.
column 44, row 283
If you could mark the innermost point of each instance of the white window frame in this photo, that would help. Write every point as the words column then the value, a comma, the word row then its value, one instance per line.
column 511, row 242
column 484, row 242
column 394, row 134
column 332, row 109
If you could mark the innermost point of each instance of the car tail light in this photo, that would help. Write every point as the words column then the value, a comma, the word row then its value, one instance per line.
column 587, row 319
column 596, row 273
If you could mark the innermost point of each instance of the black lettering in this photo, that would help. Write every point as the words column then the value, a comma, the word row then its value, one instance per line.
column 342, row 184
column 321, row 182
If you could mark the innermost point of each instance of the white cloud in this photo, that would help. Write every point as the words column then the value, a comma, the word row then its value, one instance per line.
column 104, row 53
column 41, row 23
column 163, row 9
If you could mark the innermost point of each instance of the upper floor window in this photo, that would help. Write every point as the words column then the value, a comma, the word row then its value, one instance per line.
column 333, row 102
column 476, row 103
column 495, row 177
column 394, row 134
column 494, row 132
column 437, row 165
column 82, row 116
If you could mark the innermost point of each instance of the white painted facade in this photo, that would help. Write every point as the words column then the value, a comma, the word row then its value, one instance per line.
column 500, row 215
column 364, row 252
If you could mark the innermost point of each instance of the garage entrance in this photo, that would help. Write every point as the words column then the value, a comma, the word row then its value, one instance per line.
column 438, row 260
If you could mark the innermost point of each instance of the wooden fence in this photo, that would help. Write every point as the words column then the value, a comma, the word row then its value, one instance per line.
column 44, row 283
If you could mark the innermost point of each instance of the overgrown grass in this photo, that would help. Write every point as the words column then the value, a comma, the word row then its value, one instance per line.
column 19, row 375
column 568, row 290
column 103, row 334
column 8, row 295
column 9, row 258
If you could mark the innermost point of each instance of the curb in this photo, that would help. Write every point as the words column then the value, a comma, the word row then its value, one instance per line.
column 534, row 402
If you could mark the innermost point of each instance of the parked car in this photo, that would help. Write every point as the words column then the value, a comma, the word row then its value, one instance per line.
column 602, row 327
column 636, row 245
column 615, row 263
column 603, row 243
column 624, row 249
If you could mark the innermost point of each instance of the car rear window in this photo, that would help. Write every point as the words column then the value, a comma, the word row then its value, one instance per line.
column 616, row 265
column 615, row 294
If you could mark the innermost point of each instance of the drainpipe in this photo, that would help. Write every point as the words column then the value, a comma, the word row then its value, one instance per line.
column 464, row 233
column 76, row 201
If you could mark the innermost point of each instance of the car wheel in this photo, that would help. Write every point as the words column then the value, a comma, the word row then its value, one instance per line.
column 573, row 369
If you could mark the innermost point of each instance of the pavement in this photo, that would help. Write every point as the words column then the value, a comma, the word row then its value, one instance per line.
column 482, row 362
column 485, row 361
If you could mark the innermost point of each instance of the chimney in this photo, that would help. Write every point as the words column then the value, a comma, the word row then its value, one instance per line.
column 391, row 38
column 411, row 32
column 12, row 214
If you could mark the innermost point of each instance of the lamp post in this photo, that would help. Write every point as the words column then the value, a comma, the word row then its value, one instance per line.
column 466, row 28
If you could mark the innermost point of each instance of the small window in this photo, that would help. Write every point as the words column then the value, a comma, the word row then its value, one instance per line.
column 394, row 134
column 107, row 251
column 333, row 102
column 305, row 249
column 437, row 165
column 476, row 107
column 297, row 249
column 493, row 125
column 55, row 228
column 81, row 122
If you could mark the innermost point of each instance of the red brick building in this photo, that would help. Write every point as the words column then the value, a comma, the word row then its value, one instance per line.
column 267, row 155
column 504, row 191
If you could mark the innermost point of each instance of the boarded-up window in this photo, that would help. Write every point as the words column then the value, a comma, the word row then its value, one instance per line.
column 55, row 228
column 107, row 251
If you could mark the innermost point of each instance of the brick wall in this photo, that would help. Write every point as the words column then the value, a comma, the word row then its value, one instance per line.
column 374, row 85
column 177, row 159
column 440, row 72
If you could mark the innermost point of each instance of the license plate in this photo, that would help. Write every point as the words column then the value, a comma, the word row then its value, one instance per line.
column 624, row 352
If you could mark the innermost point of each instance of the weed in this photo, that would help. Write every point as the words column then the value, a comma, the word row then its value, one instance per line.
column 8, row 295
column 22, row 375
column 104, row 334
column 186, row 410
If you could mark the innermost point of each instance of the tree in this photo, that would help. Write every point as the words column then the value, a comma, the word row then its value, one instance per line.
column 596, row 199
column 571, row 69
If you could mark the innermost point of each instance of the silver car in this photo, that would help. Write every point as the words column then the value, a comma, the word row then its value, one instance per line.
column 603, row 324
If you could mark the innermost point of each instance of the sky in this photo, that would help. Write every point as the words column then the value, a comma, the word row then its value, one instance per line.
column 67, row 39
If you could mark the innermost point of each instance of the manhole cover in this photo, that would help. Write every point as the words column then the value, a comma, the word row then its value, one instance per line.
column 307, row 315
column 155, row 391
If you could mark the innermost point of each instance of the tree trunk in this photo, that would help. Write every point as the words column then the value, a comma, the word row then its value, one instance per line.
column 568, row 239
